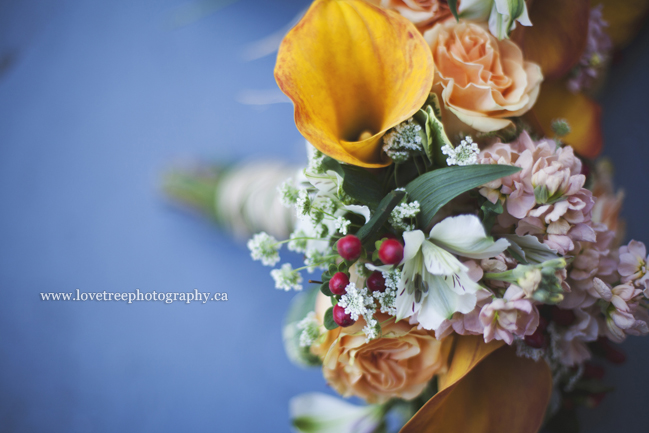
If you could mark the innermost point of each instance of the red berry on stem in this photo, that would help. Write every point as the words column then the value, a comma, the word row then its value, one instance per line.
column 536, row 340
column 593, row 371
column 562, row 317
column 391, row 252
column 338, row 283
column 375, row 282
column 350, row 248
column 615, row 356
column 341, row 318
column 543, row 323
column 595, row 399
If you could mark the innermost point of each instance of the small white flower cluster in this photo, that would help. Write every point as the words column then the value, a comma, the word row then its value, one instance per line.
column 466, row 153
column 315, row 161
column 359, row 302
column 264, row 247
column 310, row 329
column 402, row 141
column 299, row 241
column 315, row 259
column 388, row 298
column 287, row 278
column 342, row 224
column 288, row 193
column 402, row 215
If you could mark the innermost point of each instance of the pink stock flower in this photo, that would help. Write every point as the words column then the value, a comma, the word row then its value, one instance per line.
column 570, row 342
column 633, row 265
column 620, row 312
column 546, row 198
column 591, row 259
column 509, row 316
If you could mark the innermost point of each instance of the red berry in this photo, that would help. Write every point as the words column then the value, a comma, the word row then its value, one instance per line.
column 375, row 282
column 595, row 399
column 536, row 340
column 339, row 283
column 543, row 324
column 615, row 356
column 341, row 318
column 350, row 248
column 562, row 317
column 593, row 371
column 391, row 252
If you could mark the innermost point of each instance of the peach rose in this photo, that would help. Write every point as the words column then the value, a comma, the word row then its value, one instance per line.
column 422, row 13
column 483, row 80
column 398, row 364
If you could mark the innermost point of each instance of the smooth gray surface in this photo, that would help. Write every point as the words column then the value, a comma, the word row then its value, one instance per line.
column 97, row 98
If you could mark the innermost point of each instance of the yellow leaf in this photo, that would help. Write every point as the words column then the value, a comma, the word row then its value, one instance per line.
column 624, row 18
column 557, row 38
column 582, row 113
column 488, row 389
column 353, row 71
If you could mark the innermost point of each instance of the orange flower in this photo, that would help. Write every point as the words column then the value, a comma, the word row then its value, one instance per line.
column 400, row 363
column 488, row 389
column 556, row 41
column 353, row 71
column 484, row 80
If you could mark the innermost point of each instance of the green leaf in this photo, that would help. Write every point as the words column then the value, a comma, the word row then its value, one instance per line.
column 452, row 5
column 380, row 217
column 301, row 305
column 324, row 288
column 530, row 249
column 358, row 183
column 489, row 213
column 436, row 188
column 430, row 118
column 329, row 322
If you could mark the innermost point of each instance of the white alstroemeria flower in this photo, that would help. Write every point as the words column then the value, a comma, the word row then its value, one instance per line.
column 434, row 284
column 501, row 14
column 322, row 413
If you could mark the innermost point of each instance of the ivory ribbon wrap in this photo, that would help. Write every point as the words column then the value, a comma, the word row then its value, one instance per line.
column 242, row 198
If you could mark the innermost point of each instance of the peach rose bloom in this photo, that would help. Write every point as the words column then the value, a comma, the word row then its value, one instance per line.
column 483, row 80
column 398, row 364
column 422, row 13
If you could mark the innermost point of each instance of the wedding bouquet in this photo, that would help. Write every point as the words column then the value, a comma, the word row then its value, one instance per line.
column 465, row 254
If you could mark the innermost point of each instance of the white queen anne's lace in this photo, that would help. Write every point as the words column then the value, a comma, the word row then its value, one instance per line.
column 466, row 153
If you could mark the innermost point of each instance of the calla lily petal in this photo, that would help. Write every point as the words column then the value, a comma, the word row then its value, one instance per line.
column 624, row 18
column 558, row 35
column 487, row 389
column 582, row 113
column 464, row 235
column 353, row 71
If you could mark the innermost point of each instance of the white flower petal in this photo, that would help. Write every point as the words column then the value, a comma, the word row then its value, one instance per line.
column 359, row 210
column 323, row 413
column 439, row 261
column 412, row 243
column 464, row 235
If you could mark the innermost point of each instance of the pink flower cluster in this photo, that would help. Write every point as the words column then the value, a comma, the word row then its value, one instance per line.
column 605, row 289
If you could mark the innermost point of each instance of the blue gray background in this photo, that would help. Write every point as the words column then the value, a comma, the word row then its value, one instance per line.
column 96, row 99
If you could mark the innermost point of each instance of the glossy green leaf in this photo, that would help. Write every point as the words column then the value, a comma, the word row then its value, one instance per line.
column 452, row 5
column 436, row 188
column 329, row 322
column 358, row 183
column 371, row 229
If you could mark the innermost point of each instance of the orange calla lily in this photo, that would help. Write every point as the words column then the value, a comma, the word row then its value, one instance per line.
column 582, row 113
column 488, row 389
column 557, row 37
column 624, row 18
column 353, row 71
